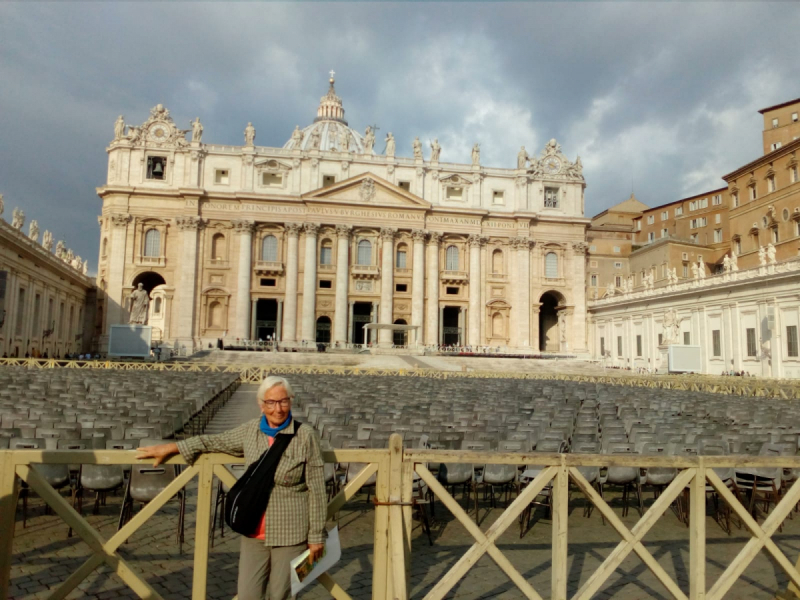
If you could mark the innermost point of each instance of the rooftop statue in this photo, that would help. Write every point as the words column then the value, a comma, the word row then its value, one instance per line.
column 47, row 240
column 17, row 218
column 522, row 158
column 249, row 135
column 390, row 144
column 436, row 150
column 197, row 130
column 33, row 230
column 417, row 145
column 369, row 140
column 476, row 155
column 119, row 128
column 297, row 137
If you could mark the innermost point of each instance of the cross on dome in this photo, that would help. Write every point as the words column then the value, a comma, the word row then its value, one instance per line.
column 332, row 74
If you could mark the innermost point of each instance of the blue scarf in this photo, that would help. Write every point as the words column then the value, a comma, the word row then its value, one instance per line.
column 273, row 431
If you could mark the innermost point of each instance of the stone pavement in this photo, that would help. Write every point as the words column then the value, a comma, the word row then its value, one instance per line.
column 44, row 556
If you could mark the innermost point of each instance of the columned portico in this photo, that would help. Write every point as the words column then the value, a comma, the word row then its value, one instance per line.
column 432, row 333
column 309, row 283
column 244, row 229
column 290, row 310
column 387, row 284
column 342, row 280
column 418, row 284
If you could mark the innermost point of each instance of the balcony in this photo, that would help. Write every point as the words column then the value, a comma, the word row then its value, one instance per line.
column 326, row 268
column 269, row 267
column 151, row 261
column 365, row 271
column 454, row 276
column 402, row 272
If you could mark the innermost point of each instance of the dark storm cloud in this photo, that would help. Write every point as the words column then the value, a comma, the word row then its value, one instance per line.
column 658, row 97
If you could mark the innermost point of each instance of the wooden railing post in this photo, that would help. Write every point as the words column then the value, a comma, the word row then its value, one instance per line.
column 381, row 574
column 560, row 493
column 205, row 480
column 397, row 546
column 697, row 533
column 8, row 510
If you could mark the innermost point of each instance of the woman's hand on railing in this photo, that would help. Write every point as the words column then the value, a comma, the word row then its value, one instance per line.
column 161, row 452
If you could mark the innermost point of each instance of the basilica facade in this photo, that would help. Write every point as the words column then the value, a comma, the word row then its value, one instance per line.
column 313, row 241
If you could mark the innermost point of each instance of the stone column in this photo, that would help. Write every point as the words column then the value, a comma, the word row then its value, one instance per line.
column 342, row 281
column 418, row 284
column 307, row 325
column 350, row 306
column 279, row 322
column 253, row 308
column 290, row 310
column 387, row 284
column 244, row 229
column 184, row 330
column 432, row 336
column 474, row 335
column 577, row 331
column 535, row 334
column 522, row 284
column 441, row 325
column 115, row 309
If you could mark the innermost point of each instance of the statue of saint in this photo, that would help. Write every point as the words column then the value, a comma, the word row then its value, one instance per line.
column 369, row 140
column 47, row 240
column 734, row 262
column 297, row 137
column 197, row 130
column 344, row 140
column 17, row 218
column 119, row 128
column 762, row 256
column 60, row 249
column 139, row 302
column 476, row 155
column 33, row 230
column 671, row 327
column 726, row 264
column 390, row 144
column 522, row 158
column 701, row 267
column 695, row 271
column 85, row 267
column 771, row 252
column 436, row 150
column 314, row 140
column 417, row 145
column 249, row 135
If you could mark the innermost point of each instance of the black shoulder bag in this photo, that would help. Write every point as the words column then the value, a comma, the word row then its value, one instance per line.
column 249, row 496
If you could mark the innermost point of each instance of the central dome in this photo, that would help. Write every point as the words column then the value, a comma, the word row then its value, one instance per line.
column 330, row 131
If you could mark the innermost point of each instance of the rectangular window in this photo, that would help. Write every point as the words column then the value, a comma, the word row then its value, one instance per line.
column 157, row 167
column 794, row 117
column 325, row 284
column 651, row 219
column 771, row 183
column 716, row 342
column 717, row 235
column 735, row 200
column 272, row 179
column 660, row 338
column 638, row 225
column 685, row 270
column 326, row 255
column 664, row 215
column 328, row 180
column 222, row 176
column 602, row 346
column 592, row 248
column 716, row 200
column 751, row 341
column 718, row 218
column 687, row 338
column 401, row 287
column 401, row 259
column 454, row 193
column 617, row 249
column 775, row 237
column 451, row 291
column 593, row 264
column 619, row 345
column 753, row 194
column 793, row 172
column 267, row 282
column 774, row 123
column 703, row 203
column 638, row 345
column 498, row 197
column 593, row 280
column 664, row 233
column 617, row 281
column 551, row 197
column 791, row 340
column 406, row 185
column 693, row 238
column 775, row 145
column 617, row 265
column 693, row 205
column 678, row 211
column 651, row 236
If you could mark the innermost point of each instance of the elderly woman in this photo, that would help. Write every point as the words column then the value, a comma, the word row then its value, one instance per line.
column 296, row 512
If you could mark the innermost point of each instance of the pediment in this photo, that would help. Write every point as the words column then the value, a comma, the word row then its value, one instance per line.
column 368, row 189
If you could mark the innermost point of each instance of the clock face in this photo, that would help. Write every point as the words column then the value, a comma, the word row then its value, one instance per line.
column 551, row 165
column 158, row 133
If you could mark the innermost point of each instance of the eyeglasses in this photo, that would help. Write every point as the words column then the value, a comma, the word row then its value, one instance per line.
column 284, row 402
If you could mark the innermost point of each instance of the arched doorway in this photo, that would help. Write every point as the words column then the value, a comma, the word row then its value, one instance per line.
column 549, row 334
column 149, row 280
column 324, row 330
column 400, row 338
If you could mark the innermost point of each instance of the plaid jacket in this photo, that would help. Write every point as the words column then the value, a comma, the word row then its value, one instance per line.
column 297, row 508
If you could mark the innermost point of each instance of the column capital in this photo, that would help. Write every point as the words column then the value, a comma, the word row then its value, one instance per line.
column 120, row 219
column 419, row 235
column 293, row 229
column 476, row 241
column 521, row 243
column 189, row 223
column 311, row 228
column 243, row 226
column 580, row 247
column 434, row 238
column 344, row 231
column 387, row 233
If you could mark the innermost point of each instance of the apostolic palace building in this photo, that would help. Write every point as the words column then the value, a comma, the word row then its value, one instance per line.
column 313, row 241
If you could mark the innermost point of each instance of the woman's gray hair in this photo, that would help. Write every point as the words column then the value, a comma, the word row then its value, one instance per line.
column 271, row 382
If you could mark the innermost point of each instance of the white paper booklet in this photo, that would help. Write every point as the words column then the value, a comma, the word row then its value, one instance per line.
column 304, row 573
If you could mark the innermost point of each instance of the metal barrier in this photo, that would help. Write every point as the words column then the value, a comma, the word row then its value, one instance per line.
column 254, row 373
column 395, row 468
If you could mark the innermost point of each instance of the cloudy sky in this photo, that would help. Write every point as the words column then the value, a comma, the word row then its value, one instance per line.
column 658, row 98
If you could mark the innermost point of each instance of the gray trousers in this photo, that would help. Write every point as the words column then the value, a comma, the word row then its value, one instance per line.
column 265, row 569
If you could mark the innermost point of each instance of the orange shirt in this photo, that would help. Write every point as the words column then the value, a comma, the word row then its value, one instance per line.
column 261, row 535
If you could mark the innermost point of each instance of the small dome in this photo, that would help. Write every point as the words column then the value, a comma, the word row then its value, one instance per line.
column 330, row 131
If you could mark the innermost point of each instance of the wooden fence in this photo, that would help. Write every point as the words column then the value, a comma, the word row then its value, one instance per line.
column 254, row 373
column 395, row 468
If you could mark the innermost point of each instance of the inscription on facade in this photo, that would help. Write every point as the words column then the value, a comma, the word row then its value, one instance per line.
column 504, row 225
column 453, row 220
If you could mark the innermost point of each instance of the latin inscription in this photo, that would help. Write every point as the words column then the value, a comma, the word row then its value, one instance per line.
column 454, row 220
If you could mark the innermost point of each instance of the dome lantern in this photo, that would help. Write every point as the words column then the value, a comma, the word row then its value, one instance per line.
column 330, row 106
